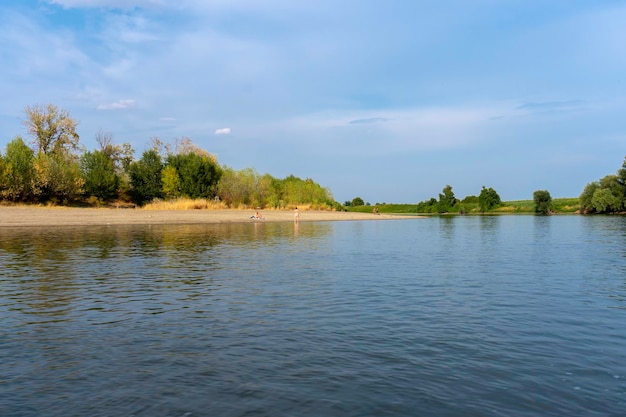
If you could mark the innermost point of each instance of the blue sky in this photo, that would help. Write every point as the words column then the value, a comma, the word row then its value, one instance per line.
column 386, row 100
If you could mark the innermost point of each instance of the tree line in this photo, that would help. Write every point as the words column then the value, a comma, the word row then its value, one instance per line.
column 52, row 168
column 487, row 200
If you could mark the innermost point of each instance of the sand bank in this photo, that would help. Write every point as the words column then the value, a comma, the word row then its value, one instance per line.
column 65, row 216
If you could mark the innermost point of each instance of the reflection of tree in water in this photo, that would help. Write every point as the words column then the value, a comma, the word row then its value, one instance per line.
column 446, row 225
column 50, row 267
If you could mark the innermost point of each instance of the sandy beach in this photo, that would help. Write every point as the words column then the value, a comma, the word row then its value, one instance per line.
column 17, row 216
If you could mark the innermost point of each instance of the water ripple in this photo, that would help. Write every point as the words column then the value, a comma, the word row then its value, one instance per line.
column 473, row 316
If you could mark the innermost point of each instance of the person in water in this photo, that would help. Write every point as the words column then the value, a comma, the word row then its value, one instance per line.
column 296, row 215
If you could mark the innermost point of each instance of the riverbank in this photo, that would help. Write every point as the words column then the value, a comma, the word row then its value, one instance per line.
column 15, row 216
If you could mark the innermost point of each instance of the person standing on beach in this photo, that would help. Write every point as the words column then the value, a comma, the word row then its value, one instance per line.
column 296, row 215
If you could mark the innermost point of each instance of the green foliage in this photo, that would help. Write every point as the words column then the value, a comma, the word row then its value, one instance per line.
column 16, row 181
column 98, row 170
column 357, row 201
column 543, row 201
column 145, row 177
column 447, row 200
column 488, row 199
column 586, row 204
column 198, row 174
column 428, row 206
column 604, row 201
column 58, row 178
column 608, row 195
column 248, row 188
column 470, row 199
column 171, row 182
column 237, row 188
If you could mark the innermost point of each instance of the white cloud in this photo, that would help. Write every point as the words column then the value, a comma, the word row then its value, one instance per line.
column 122, row 4
column 223, row 131
column 120, row 104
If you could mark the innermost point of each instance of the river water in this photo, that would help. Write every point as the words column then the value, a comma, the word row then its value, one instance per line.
column 461, row 316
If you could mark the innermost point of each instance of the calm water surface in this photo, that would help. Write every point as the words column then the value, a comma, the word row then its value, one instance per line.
column 464, row 316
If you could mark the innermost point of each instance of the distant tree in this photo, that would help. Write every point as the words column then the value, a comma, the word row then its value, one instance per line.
column 145, row 177
column 98, row 170
column 199, row 175
column 608, row 195
column 470, row 199
column 58, row 178
column 543, row 201
column 52, row 129
column 16, row 182
column 586, row 197
column 236, row 188
column 447, row 200
column 488, row 199
column 357, row 201
column 604, row 201
column 121, row 155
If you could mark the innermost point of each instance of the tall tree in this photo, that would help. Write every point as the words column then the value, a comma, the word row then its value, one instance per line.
column 52, row 130
column 447, row 200
column 145, row 177
column 98, row 171
column 543, row 201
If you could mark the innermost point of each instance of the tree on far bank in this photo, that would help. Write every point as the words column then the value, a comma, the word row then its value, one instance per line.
column 608, row 195
column 145, row 177
column 543, row 201
column 198, row 174
column 16, row 180
column 447, row 200
column 53, row 131
column 488, row 199
column 101, row 180
column 357, row 201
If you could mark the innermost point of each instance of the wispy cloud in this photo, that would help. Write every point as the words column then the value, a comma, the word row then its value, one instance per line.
column 122, row 4
column 368, row 120
column 117, row 105
column 551, row 105
column 223, row 131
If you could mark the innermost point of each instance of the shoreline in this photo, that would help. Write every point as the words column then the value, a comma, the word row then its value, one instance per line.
column 24, row 216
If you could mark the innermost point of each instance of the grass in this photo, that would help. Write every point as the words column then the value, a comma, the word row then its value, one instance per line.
column 185, row 204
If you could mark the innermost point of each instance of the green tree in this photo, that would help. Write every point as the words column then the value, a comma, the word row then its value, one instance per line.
column 604, row 201
column 608, row 195
column 145, row 177
column 199, row 175
column 57, row 178
column 543, row 201
column 488, row 199
column 447, row 200
column 586, row 197
column 52, row 129
column 357, row 201
column 98, row 170
column 16, row 183
column 171, row 182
